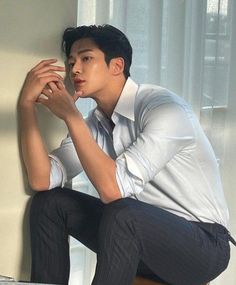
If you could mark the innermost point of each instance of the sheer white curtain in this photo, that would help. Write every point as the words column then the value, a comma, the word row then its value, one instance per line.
column 187, row 46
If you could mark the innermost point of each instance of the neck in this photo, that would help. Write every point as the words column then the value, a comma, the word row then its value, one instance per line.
column 107, row 102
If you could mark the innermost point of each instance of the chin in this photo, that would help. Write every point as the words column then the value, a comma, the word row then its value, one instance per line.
column 85, row 95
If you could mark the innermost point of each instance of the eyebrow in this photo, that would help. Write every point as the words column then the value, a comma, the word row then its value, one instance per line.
column 80, row 51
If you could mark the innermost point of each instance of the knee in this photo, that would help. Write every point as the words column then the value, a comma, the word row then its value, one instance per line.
column 121, row 207
column 43, row 203
column 120, row 215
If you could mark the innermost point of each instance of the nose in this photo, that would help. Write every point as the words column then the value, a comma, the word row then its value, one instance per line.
column 76, row 68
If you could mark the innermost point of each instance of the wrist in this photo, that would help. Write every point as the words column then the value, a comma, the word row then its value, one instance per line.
column 25, row 99
column 75, row 116
column 26, row 104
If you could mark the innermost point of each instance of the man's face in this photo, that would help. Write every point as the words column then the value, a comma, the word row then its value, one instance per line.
column 88, row 70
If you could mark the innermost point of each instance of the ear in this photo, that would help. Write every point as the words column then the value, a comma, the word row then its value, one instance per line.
column 117, row 65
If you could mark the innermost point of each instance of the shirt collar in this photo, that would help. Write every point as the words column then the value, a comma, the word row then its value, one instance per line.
column 125, row 104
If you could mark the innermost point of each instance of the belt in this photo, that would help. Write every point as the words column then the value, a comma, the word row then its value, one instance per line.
column 231, row 239
column 216, row 228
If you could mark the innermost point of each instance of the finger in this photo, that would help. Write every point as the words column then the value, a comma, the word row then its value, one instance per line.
column 43, row 102
column 49, row 68
column 51, row 74
column 77, row 95
column 60, row 85
column 52, row 86
column 44, row 81
column 44, row 62
column 42, row 99
column 46, row 93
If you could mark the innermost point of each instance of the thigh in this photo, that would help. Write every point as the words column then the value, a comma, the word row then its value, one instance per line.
column 78, row 212
column 173, row 248
column 179, row 251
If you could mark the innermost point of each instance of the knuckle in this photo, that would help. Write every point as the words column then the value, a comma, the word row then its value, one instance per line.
column 30, row 72
column 41, row 80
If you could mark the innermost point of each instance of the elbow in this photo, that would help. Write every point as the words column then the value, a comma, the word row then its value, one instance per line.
column 111, row 196
column 39, row 185
column 107, row 200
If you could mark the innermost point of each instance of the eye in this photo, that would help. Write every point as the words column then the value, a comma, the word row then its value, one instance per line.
column 86, row 58
column 71, row 64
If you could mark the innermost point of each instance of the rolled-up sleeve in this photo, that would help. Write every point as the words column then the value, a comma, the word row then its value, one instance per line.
column 65, row 164
column 166, row 130
column 58, row 175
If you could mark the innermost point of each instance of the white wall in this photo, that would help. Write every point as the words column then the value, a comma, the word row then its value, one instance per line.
column 29, row 32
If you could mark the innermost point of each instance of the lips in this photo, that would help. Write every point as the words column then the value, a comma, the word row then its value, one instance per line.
column 78, row 81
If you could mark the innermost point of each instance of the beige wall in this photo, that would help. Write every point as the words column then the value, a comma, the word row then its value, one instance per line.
column 29, row 31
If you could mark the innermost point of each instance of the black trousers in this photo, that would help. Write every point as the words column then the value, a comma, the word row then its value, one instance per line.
column 130, row 238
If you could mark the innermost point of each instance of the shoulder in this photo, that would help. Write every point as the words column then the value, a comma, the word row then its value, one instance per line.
column 153, row 96
column 156, row 102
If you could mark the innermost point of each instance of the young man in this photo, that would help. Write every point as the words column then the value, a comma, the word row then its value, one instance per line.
column 161, row 211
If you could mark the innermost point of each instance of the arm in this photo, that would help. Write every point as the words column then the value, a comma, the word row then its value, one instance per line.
column 34, row 152
column 99, row 167
column 167, row 135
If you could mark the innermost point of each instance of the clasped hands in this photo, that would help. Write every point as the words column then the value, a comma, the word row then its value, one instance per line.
column 44, row 79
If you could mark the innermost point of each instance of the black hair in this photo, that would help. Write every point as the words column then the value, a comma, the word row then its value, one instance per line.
column 110, row 40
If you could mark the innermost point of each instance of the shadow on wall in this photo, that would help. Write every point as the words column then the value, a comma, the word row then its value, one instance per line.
column 50, row 127
column 25, row 262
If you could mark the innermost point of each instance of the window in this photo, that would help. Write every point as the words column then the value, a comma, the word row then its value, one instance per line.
column 216, row 55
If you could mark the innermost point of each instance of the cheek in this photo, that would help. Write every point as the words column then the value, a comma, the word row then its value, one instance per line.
column 98, row 78
column 99, row 69
column 95, row 70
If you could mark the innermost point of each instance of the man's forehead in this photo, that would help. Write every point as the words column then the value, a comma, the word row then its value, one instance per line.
column 83, row 45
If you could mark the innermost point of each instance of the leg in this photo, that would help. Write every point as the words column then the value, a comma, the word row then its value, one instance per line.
column 143, row 271
column 54, row 215
column 176, row 250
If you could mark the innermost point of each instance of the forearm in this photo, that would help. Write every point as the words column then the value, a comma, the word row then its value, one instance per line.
column 99, row 167
column 34, row 154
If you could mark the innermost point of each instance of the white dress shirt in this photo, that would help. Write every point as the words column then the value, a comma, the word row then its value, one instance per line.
column 161, row 152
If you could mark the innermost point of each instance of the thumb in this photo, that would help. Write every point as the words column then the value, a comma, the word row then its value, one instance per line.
column 76, row 95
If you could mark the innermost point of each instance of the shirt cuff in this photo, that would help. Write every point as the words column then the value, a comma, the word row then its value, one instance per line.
column 128, row 176
column 58, row 175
